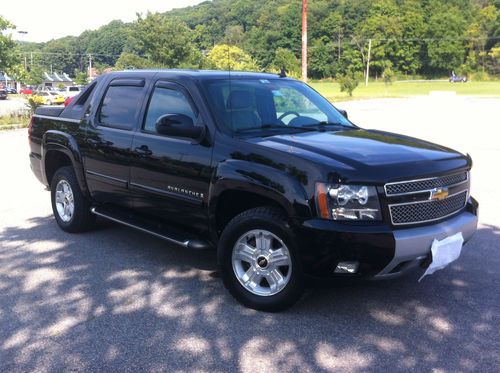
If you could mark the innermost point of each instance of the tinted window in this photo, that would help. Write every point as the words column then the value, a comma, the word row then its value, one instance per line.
column 167, row 101
column 120, row 106
column 74, row 89
column 264, row 104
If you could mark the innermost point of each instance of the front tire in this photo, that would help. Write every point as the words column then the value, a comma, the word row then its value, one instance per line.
column 70, row 207
column 258, row 260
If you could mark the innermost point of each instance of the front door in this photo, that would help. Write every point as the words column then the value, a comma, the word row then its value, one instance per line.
column 170, row 177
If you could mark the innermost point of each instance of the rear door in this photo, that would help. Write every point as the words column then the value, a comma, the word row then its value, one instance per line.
column 109, row 139
column 170, row 177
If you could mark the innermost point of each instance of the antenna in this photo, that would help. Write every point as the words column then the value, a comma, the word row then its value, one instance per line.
column 230, row 88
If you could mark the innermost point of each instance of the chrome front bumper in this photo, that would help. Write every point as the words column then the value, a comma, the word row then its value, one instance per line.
column 414, row 245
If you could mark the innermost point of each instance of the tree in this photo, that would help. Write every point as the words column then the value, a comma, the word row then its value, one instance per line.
column 7, row 46
column 61, row 55
column 81, row 78
column 284, row 58
column 131, row 61
column 165, row 42
column 228, row 57
column 107, row 43
column 445, row 46
column 234, row 35
column 348, row 82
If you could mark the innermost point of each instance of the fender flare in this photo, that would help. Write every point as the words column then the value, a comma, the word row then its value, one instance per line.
column 59, row 141
column 259, row 179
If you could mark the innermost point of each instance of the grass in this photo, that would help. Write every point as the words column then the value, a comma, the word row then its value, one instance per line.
column 331, row 90
column 9, row 122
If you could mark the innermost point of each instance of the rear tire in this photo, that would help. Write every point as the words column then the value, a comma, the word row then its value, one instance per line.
column 70, row 207
column 259, row 262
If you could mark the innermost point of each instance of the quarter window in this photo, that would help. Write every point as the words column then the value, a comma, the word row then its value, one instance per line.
column 167, row 101
column 120, row 106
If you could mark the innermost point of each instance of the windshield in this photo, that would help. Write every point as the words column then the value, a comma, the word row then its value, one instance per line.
column 256, row 105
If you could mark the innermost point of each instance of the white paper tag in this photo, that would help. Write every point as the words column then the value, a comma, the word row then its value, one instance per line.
column 444, row 252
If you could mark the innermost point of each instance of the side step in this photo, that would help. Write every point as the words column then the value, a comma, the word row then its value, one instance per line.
column 171, row 235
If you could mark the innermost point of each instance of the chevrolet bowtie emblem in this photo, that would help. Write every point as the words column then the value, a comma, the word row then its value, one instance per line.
column 439, row 193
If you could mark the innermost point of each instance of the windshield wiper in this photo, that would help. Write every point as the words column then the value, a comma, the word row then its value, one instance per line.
column 324, row 123
column 274, row 125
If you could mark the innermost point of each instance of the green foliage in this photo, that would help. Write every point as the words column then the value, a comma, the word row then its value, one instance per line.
column 33, row 102
column 81, row 78
column 284, row 58
column 448, row 24
column 348, row 82
column 131, row 61
column 228, row 57
column 388, row 75
column 165, row 42
column 416, row 37
column 7, row 46
column 108, row 42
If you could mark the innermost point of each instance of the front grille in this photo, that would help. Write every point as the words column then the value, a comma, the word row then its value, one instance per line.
column 429, row 210
column 422, row 185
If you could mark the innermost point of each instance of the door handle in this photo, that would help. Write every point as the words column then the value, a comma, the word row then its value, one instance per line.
column 143, row 150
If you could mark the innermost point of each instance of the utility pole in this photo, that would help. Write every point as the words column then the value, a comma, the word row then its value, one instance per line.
column 338, row 45
column 90, row 66
column 31, row 60
column 25, row 63
column 368, row 61
column 304, row 40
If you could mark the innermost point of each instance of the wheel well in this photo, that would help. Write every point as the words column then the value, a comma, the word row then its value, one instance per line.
column 234, row 202
column 54, row 160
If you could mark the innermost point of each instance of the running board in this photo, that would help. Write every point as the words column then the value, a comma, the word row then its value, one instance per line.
column 177, row 238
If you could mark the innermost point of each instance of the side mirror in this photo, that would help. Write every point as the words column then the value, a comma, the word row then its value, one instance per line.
column 344, row 113
column 179, row 125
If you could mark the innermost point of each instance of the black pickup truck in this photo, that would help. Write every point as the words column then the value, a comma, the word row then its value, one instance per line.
column 258, row 166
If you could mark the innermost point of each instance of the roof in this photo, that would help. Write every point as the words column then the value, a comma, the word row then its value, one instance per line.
column 4, row 77
column 202, row 74
column 55, row 77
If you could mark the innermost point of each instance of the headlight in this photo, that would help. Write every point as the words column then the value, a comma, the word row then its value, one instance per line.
column 347, row 202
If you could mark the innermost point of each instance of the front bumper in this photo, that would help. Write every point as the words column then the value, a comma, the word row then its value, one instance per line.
column 413, row 246
column 381, row 251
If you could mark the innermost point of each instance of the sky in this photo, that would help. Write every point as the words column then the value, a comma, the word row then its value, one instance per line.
column 46, row 20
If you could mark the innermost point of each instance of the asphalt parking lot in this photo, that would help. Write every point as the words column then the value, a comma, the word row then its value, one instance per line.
column 118, row 300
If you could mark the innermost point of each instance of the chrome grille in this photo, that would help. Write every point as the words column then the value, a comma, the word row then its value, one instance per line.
column 422, row 185
column 429, row 210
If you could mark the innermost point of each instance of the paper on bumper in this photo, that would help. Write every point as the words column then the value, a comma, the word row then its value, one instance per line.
column 444, row 252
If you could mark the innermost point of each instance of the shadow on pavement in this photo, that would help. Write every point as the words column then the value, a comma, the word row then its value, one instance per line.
column 115, row 299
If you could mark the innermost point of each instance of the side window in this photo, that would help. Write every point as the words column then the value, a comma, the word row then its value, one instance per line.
column 167, row 101
column 120, row 106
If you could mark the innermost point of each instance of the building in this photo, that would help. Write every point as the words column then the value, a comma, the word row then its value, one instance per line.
column 7, row 81
column 55, row 80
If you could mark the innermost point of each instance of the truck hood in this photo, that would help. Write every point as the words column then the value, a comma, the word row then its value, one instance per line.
column 369, row 150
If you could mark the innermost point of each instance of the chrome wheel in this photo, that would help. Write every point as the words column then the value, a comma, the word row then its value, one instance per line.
column 261, row 262
column 64, row 201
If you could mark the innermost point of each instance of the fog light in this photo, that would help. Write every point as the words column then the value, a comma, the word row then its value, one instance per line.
column 347, row 267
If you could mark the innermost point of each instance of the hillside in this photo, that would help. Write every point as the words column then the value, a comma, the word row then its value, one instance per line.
column 409, row 37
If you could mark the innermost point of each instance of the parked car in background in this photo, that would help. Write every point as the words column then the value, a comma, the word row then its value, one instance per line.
column 50, row 98
column 3, row 93
column 26, row 91
column 70, row 91
column 456, row 78
column 11, row 90
column 68, row 100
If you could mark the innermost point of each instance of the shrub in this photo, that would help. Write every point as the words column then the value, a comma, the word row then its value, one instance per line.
column 348, row 82
column 388, row 76
column 33, row 102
